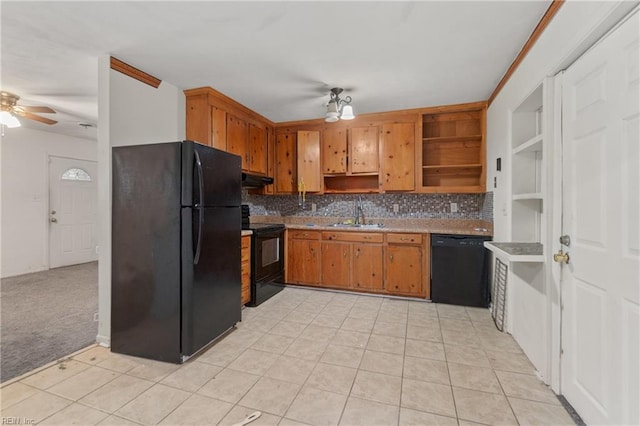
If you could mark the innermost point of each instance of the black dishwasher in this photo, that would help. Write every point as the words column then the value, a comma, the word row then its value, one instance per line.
column 459, row 270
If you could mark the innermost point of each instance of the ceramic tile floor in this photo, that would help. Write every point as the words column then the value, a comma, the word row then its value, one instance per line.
column 307, row 357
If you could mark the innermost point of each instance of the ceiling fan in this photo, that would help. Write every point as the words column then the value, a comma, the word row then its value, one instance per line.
column 8, row 102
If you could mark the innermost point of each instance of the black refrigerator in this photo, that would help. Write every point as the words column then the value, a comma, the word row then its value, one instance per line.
column 176, row 224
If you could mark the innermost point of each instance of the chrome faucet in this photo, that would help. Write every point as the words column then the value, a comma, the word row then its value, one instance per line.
column 358, row 212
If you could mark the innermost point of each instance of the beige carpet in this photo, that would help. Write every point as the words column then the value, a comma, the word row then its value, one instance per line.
column 45, row 316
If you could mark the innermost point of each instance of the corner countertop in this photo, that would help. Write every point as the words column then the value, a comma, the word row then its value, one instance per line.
column 246, row 232
column 434, row 226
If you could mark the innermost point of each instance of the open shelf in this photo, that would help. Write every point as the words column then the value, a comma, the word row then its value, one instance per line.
column 532, row 145
column 528, row 196
column 353, row 184
column 452, row 138
column 453, row 167
column 453, row 151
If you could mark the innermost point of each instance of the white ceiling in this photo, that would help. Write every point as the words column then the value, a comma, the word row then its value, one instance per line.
column 277, row 58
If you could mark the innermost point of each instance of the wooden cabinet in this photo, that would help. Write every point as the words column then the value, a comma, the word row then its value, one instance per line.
column 218, row 121
column 453, row 149
column 367, row 267
column 285, row 164
column 257, row 149
column 397, row 154
column 363, row 150
column 336, row 264
column 334, row 150
column 246, row 269
column 237, row 134
column 376, row 262
column 352, row 260
column 308, row 160
column 303, row 257
column 406, row 264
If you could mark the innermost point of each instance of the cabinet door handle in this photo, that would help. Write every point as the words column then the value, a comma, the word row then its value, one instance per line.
column 306, row 234
column 344, row 254
column 391, row 257
column 357, row 252
column 367, row 238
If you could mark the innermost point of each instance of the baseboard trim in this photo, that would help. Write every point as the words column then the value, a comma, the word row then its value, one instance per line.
column 104, row 341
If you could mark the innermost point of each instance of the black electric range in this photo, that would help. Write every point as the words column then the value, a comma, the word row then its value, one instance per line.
column 267, row 258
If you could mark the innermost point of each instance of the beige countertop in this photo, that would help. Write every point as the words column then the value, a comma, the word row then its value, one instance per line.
column 434, row 226
column 246, row 232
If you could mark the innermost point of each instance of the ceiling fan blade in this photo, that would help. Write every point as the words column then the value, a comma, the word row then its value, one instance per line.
column 34, row 117
column 40, row 109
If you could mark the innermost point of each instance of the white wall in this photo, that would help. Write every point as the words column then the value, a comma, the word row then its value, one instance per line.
column 576, row 26
column 25, row 194
column 129, row 113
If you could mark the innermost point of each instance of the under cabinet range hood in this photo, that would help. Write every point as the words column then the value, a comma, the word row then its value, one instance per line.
column 255, row 181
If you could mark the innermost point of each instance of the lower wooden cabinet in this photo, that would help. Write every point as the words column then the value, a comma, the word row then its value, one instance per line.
column 404, row 269
column 336, row 264
column 390, row 263
column 367, row 267
column 407, row 264
column 303, row 258
column 246, row 269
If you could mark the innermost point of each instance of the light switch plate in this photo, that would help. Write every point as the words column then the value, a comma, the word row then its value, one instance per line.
column 454, row 207
column 313, row 207
column 396, row 208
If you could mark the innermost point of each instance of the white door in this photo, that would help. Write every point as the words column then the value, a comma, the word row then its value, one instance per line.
column 73, row 204
column 601, row 215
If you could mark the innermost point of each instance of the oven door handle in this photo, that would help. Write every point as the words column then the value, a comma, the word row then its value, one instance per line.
column 198, row 206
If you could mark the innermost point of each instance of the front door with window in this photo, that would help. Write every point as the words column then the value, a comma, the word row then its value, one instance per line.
column 73, row 206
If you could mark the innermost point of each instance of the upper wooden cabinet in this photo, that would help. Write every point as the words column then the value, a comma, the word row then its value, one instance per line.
column 397, row 154
column 286, row 177
column 308, row 148
column 218, row 121
column 334, row 150
column 257, row 149
column 453, row 149
column 237, row 138
column 363, row 150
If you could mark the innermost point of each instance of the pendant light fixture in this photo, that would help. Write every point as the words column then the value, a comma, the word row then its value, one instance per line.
column 9, row 120
column 338, row 108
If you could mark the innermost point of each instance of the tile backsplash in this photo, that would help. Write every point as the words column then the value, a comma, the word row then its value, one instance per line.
column 436, row 206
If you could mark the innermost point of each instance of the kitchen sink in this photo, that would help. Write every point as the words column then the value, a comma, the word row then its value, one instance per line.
column 358, row 225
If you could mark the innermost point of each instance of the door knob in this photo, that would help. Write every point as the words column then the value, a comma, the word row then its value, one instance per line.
column 54, row 220
column 53, row 212
column 561, row 257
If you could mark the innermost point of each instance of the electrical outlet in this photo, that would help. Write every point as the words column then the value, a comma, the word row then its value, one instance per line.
column 396, row 208
column 313, row 207
column 97, row 249
column 95, row 317
column 454, row 207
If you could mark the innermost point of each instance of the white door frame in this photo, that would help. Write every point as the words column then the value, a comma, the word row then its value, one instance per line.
column 47, row 191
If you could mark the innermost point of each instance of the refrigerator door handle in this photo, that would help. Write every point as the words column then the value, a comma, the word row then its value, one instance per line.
column 200, row 202
column 196, row 256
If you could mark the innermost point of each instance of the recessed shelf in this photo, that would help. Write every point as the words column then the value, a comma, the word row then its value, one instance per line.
column 528, row 196
column 532, row 145
column 452, row 167
column 453, row 138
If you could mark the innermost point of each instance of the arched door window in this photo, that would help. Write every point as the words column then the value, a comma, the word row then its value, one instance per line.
column 76, row 174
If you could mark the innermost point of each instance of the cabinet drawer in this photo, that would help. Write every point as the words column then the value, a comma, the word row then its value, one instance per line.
column 300, row 234
column 404, row 238
column 357, row 237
